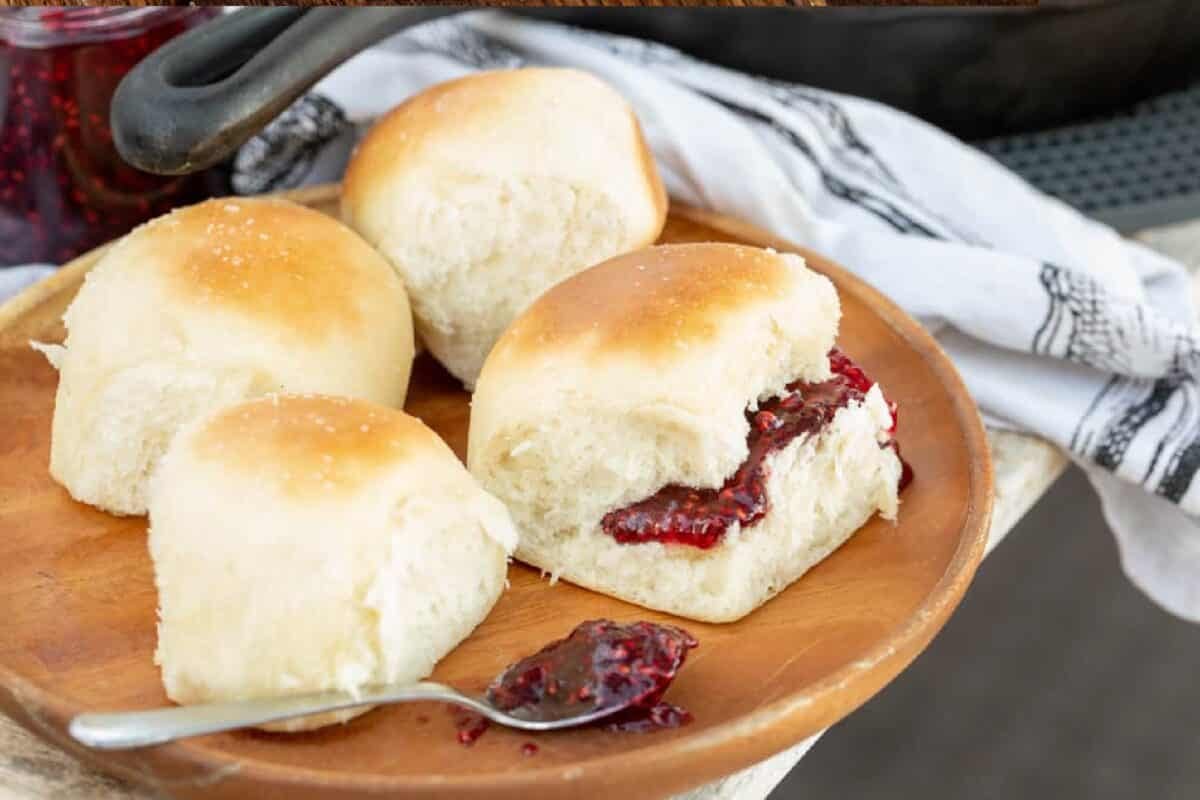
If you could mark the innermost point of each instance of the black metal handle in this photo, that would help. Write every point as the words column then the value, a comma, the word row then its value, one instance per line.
column 193, row 101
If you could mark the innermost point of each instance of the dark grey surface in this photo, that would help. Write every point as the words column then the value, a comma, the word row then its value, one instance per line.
column 1131, row 170
column 1055, row 678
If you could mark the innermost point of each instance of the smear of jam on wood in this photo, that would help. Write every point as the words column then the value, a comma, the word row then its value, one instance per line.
column 701, row 517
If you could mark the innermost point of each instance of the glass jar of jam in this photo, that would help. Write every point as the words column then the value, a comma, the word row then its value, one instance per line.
column 63, row 187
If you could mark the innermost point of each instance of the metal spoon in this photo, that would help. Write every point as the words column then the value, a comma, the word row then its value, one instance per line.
column 126, row 729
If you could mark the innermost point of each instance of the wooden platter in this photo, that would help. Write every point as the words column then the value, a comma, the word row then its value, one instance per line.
column 78, row 601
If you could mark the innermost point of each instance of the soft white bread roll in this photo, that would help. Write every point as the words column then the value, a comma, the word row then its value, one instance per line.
column 486, row 190
column 306, row 543
column 636, row 375
column 206, row 306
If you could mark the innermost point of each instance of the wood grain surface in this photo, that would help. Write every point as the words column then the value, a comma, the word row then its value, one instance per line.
column 749, row 4
column 78, row 597
column 464, row 3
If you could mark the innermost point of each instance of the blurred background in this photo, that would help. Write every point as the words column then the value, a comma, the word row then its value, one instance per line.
column 1035, row 689
column 1092, row 100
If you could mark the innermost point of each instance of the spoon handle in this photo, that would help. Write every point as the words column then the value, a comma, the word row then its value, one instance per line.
column 126, row 729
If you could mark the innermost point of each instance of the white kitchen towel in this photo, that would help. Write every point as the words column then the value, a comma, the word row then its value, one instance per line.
column 14, row 279
column 1058, row 325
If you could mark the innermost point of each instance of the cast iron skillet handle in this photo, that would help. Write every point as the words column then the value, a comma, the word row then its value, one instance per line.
column 193, row 101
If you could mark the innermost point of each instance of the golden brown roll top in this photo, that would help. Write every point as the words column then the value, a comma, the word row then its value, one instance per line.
column 209, row 305
column 486, row 190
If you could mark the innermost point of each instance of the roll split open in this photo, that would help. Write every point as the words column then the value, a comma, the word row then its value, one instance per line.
column 636, row 375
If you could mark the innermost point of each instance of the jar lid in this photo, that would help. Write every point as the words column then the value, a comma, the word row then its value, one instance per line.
column 39, row 27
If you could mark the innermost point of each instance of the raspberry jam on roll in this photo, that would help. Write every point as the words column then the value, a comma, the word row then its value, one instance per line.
column 700, row 517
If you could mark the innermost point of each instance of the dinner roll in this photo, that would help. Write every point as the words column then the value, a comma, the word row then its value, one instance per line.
column 206, row 306
column 622, row 400
column 307, row 543
column 486, row 190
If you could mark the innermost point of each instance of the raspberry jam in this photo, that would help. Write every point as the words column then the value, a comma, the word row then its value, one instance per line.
column 601, row 666
column 700, row 517
column 63, row 188
column 469, row 724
